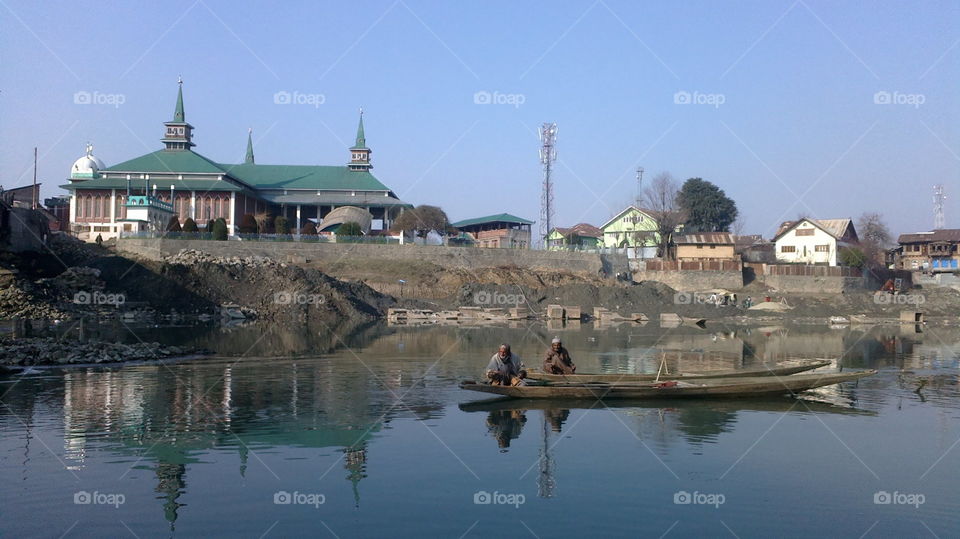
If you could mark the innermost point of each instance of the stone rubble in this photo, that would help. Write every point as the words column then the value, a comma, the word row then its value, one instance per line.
column 49, row 351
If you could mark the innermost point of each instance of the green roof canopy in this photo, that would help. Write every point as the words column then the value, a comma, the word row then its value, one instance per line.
column 499, row 218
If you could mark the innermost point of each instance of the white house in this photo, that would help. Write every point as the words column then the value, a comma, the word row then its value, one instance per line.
column 814, row 241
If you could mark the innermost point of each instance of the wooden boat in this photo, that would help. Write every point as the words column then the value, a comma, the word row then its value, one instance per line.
column 671, row 389
column 780, row 369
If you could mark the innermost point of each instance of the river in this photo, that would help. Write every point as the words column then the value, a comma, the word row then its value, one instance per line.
column 363, row 432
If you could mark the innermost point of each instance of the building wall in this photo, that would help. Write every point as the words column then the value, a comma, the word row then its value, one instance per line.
column 625, row 229
column 805, row 247
column 705, row 251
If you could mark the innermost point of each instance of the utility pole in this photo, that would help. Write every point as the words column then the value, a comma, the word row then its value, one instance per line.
column 33, row 194
column 639, row 185
column 548, row 154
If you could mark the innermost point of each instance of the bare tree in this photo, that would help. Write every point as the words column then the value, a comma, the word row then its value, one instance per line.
column 737, row 227
column 661, row 201
column 874, row 237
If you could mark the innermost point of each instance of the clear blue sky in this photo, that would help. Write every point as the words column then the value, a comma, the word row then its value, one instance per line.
column 798, row 129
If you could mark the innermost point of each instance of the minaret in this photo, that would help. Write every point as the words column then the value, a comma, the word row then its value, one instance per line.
column 359, row 153
column 248, row 160
column 178, row 132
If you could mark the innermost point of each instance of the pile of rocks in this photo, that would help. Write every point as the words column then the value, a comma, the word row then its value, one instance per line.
column 192, row 256
column 50, row 351
column 15, row 302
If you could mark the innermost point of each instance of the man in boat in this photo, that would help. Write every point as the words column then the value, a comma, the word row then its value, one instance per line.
column 505, row 368
column 558, row 359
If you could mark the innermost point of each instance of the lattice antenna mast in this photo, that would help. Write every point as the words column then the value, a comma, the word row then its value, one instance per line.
column 639, row 186
column 939, row 197
column 548, row 154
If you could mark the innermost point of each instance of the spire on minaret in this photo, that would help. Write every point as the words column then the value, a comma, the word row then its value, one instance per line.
column 178, row 133
column 178, row 113
column 249, row 159
column 359, row 153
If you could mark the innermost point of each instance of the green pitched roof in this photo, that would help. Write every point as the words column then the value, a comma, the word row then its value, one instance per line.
column 257, row 176
column 303, row 177
column 162, row 184
column 176, row 161
column 499, row 218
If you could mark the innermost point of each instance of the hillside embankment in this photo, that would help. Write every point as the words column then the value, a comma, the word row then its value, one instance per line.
column 75, row 279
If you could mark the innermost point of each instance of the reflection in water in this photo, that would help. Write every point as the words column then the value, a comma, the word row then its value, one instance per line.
column 341, row 392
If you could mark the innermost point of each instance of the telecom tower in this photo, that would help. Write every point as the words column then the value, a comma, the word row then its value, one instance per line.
column 548, row 154
column 939, row 197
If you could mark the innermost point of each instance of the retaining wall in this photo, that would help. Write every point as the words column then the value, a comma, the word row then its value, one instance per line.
column 448, row 257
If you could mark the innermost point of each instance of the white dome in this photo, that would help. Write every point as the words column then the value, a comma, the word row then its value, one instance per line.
column 87, row 166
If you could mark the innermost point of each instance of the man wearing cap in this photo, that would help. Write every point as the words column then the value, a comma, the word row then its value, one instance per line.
column 558, row 360
column 505, row 368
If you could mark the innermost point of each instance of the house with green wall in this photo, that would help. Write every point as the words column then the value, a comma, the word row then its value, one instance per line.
column 632, row 227
column 576, row 237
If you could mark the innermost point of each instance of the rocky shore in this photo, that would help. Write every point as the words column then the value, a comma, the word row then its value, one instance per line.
column 32, row 351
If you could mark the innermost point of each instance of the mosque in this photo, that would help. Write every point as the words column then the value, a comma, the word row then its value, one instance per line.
column 140, row 195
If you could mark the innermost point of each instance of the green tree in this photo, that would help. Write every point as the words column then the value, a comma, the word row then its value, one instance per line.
column 189, row 225
column 707, row 207
column 248, row 224
column 309, row 229
column 852, row 256
column 423, row 220
column 173, row 225
column 350, row 228
column 220, row 230
column 281, row 225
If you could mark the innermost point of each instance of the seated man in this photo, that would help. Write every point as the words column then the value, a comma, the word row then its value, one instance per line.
column 505, row 368
column 558, row 360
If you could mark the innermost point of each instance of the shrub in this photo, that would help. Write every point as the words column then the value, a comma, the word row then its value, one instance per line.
column 852, row 256
column 173, row 225
column 189, row 225
column 220, row 230
column 281, row 225
column 209, row 226
column 350, row 228
column 309, row 229
column 248, row 224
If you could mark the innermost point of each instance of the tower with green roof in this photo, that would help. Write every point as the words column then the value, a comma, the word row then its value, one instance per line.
column 359, row 152
column 178, row 133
